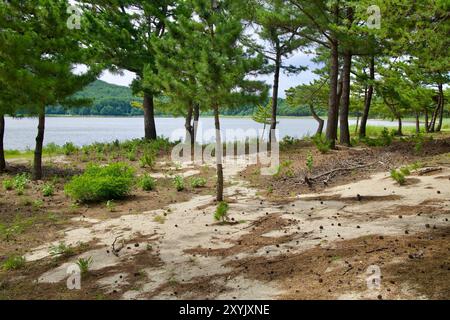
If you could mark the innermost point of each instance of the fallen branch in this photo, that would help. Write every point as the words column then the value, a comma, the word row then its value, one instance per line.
column 428, row 170
column 342, row 169
column 376, row 250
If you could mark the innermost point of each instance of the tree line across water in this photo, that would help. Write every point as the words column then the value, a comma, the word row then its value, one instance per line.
column 195, row 57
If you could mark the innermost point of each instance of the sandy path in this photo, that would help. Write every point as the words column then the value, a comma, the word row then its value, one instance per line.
column 314, row 220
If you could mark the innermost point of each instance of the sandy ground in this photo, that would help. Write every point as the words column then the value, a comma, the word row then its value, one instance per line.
column 196, row 258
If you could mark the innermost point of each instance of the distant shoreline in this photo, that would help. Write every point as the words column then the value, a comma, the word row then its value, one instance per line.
column 202, row 117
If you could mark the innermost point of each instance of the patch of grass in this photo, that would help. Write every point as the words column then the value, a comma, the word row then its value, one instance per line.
column 221, row 213
column 8, row 184
column 9, row 232
column 61, row 250
column 48, row 190
column 159, row 219
column 97, row 183
column 398, row 176
column 383, row 139
column 198, row 182
column 84, row 264
column 147, row 183
column 21, row 181
column 178, row 182
column 14, row 262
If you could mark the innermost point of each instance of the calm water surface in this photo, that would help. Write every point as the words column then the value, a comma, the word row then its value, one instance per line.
column 20, row 133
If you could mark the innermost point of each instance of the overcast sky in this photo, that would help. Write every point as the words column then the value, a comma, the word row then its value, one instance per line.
column 286, row 82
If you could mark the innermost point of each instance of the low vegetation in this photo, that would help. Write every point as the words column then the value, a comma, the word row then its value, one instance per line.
column 97, row 183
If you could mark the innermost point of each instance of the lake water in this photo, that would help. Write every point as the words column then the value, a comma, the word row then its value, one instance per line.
column 20, row 133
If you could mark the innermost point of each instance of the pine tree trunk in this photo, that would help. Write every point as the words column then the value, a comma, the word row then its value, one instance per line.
column 357, row 123
column 333, row 103
column 149, row 117
column 318, row 119
column 218, row 151
column 417, row 123
column 345, row 100
column 368, row 101
column 399, row 130
column 441, row 107
column 2, row 150
column 196, row 119
column 276, row 82
column 188, row 126
column 427, row 129
column 37, row 164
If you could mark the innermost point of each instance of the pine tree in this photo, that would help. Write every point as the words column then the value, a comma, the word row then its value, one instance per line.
column 43, row 54
column 124, row 32
column 219, row 64
column 273, row 27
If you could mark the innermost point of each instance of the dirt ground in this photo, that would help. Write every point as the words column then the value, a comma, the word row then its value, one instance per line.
column 359, row 236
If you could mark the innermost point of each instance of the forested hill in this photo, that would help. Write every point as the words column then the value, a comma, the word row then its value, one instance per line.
column 113, row 100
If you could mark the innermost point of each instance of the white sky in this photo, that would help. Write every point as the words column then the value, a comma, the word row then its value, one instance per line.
column 299, row 59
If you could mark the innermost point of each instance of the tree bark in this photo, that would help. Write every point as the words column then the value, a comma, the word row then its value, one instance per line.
column 333, row 102
column 218, row 152
column 188, row 126
column 196, row 119
column 417, row 123
column 368, row 101
column 427, row 129
column 149, row 117
column 276, row 83
column 37, row 164
column 318, row 119
column 399, row 130
column 345, row 100
column 441, row 107
column 2, row 150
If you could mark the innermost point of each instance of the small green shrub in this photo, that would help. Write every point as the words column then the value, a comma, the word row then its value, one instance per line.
column 8, row 184
column 21, row 180
column 321, row 143
column 101, row 183
column 84, row 264
column 147, row 183
column 198, row 182
column 69, row 148
column 385, row 139
column 221, row 213
column 178, row 182
column 398, row 176
column 48, row 190
column 13, row 263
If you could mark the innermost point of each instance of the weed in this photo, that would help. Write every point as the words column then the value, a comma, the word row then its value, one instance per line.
column 178, row 182
column 310, row 161
column 13, row 263
column 8, row 184
column 48, row 190
column 159, row 219
column 147, row 183
column 62, row 250
column 110, row 205
column 198, row 182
